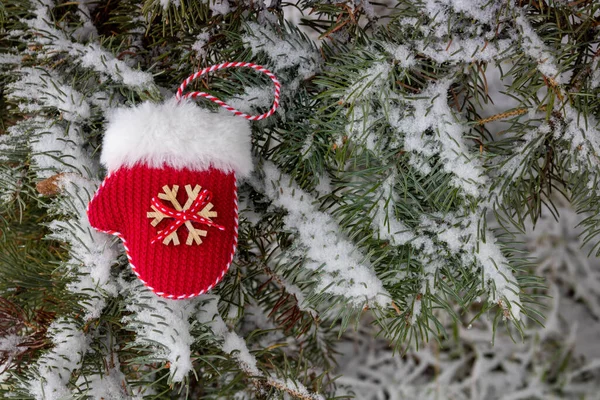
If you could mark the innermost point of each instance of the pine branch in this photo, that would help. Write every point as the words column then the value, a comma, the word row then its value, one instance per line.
column 379, row 154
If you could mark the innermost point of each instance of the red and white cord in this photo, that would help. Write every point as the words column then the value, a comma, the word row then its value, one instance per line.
column 214, row 99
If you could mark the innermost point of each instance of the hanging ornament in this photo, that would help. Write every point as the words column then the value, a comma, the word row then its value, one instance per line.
column 170, row 193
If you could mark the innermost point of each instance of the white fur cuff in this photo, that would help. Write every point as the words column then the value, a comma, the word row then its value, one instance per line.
column 180, row 135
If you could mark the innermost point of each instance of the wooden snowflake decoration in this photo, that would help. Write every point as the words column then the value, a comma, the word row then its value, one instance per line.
column 197, row 208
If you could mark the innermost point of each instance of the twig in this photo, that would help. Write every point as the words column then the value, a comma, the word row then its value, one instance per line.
column 507, row 114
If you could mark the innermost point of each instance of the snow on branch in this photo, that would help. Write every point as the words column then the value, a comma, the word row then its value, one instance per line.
column 88, row 30
column 384, row 221
column 91, row 257
column 104, row 62
column 428, row 128
column 47, row 89
column 464, row 50
column 91, row 55
column 371, row 81
column 92, row 253
column 285, row 53
column 459, row 233
column 55, row 367
column 10, row 59
column 535, row 48
column 498, row 277
column 482, row 10
column 342, row 269
column 109, row 384
column 456, row 231
column 54, row 149
column 583, row 133
column 452, row 235
column 162, row 325
column 431, row 111
column 233, row 344
column 57, row 151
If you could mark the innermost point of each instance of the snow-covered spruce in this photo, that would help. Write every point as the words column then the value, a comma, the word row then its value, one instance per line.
column 343, row 270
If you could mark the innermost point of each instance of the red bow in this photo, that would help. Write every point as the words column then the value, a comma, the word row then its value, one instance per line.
column 180, row 217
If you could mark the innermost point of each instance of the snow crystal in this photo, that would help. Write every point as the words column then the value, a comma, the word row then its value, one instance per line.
column 11, row 182
column 419, row 163
column 368, row 9
column 402, row 54
column 461, row 49
column 201, row 41
column 306, row 151
column 219, row 7
column 101, row 99
column 342, row 269
column 416, row 310
column 324, row 186
column 483, row 10
column 299, row 390
column 209, row 315
column 87, row 31
column 232, row 343
column 453, row 238
column 435, row 8
column 583, row 134
column 584, row 137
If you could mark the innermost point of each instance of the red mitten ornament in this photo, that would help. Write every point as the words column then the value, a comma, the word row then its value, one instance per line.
column 170, row 193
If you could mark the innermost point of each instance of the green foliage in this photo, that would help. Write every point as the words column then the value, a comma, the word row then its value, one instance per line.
column 341, row 138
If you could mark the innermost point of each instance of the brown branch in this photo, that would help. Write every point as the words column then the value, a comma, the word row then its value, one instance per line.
column 507, row 114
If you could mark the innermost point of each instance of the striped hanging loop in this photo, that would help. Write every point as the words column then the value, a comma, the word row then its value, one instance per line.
column 214, row 99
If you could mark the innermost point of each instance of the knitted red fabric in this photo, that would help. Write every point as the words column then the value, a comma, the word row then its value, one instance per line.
column 122, row 205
